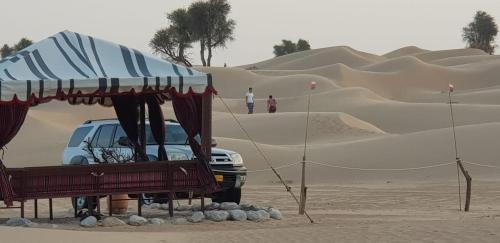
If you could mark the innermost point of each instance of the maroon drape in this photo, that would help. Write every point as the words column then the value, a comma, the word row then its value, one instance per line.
column 12, row 117
column 157, row 124
column 126, row 111
column 188, row 111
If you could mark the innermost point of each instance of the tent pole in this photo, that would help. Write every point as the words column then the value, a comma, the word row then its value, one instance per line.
column 142, row 125
column 206, row 127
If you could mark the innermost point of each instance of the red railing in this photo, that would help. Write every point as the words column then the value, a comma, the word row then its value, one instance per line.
column 106, row 179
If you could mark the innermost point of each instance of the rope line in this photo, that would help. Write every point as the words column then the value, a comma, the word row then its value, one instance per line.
column 287, row 187
column 360, row 169
column 482, row 165
column 263, row 170
column 385, row 169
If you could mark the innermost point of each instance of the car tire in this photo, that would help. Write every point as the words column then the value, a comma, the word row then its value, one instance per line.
column 228, row 195
column 147, row 199
column 81, row 203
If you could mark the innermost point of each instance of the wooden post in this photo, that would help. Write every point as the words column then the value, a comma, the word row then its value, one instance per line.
column 171, row 204
column 36, row 208
column 51, row 216
column 139, row 206
column 206, row 126
column 302, row 204
column 98, row 198
column 202, row 202
column 75, row 207
column 468, row 179
column 190, row 197
column 110, row 205
column 22, row 209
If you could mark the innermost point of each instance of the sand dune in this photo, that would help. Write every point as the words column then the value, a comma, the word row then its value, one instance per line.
column 405, row 51
column 319, row 57
column 368, row 112
column 324, row 127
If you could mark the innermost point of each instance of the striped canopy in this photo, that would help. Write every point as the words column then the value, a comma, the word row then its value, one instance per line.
column 84, row 69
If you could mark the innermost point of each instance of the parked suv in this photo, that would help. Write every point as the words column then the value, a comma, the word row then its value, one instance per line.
column 227, row 165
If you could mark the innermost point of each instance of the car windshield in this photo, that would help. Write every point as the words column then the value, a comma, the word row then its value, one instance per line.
column 175, row 135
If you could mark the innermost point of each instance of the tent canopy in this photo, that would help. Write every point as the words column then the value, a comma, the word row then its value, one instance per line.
column 84, row 69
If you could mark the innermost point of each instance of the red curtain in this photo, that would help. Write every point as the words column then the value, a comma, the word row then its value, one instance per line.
column 12, row 117
column 126, row 108
column 188, row 111
column 157, row 124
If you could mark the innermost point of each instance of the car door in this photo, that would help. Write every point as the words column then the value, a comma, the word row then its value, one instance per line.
column 124, row 152
column 102, row 142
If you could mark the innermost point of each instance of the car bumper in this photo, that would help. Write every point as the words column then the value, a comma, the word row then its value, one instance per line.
column 232, row 177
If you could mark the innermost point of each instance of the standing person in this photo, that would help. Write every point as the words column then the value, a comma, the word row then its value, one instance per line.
column 249, row 100
column 271, row 104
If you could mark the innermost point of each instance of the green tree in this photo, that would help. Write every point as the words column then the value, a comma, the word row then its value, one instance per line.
column 23, row 43
column 303, row 45
column 481, row 32
column 287, row 47
column 6, row 51
column 205, row 22
column 174, row 40
column 211, row 26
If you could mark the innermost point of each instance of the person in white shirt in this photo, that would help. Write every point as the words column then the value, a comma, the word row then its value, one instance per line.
column 249, row 100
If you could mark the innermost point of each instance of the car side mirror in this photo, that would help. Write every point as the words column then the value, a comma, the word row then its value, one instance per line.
column 124, row 141
column 214, row 142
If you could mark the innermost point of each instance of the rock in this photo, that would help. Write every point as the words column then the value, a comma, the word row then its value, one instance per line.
column 212, row 206
column 196, row 217
column 245, row 206
column 258, row 216
column 274, row 213
column 264, row 214
column 229, row 206
column 154, row 206
column 19, row 222
column 196, row 207
column 137, row 220
column 157, row 221
column 249, row 207
column 112, row 221
column 184, row 208
column 237, row 215
column 180, row 221
column 164, row 206
column 89, row 222
column 216, row 216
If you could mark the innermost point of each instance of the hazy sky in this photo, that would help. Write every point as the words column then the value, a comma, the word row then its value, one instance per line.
column 376, row 26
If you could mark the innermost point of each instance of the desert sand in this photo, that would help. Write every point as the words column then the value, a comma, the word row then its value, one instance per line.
column 369, row 113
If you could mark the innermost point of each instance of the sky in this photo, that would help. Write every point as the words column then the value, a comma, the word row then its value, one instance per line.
column 375, row 26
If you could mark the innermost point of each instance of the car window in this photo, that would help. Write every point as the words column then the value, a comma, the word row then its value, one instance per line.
column 105, row 136
column 78, row 136
column 118, row 134
column 175, row 135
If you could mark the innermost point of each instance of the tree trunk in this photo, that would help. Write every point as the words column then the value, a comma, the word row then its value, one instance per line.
column 202, row 52
column 209, row 58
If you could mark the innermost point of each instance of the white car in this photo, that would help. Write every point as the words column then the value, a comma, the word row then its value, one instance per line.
column 227, row 165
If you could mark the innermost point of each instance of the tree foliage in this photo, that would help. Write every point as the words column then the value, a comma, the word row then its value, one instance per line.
column 6, row 50
column 481, row 32
column 205, row 22
column 287, row 47
column 174, row 40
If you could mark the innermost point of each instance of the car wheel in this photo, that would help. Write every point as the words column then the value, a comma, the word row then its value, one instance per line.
column 81, row 203
column 235, row 195
column 228, row 195
column 146, row 199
